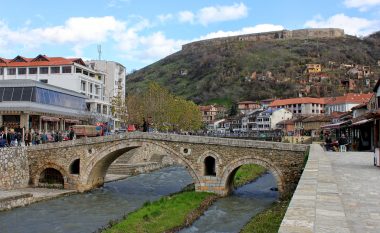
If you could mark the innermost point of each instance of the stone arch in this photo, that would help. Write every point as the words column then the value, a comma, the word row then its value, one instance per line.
column 93, row 172
column 202, row 161
column 230, row 170
column 37, row 175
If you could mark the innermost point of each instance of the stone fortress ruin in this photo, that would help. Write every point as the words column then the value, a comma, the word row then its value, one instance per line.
column 267, row 36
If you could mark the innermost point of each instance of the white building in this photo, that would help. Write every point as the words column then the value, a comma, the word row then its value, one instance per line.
column 114, row 82
column 346, row 103
column 268, row 119
column 68, row 73
column 301, row 106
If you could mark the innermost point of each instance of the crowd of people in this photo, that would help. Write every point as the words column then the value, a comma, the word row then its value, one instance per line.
column 16, row 138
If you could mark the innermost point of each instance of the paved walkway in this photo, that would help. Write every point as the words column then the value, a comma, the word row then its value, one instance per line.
column 337, row 193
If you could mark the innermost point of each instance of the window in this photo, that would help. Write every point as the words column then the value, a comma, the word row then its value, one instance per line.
column 44, row 81
column 11, row 71
column 299, row 111
column 97, row 89
column 98, row 108
column 91, row 88
column 104, row 110
column 312, row 111
column 55, row 70
column 92, row 75
column 33, row 70
column 85, row 72
column 83, row 86
column 66, row 69
column 209, row 166
column 1, row 71
column 78, row 70
column 44, row 70
column 21, row 71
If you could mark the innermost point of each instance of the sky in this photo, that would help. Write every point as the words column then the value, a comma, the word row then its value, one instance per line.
column 137, row 33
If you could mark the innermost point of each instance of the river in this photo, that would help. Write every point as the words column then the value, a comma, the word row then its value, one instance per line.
column 81, row 213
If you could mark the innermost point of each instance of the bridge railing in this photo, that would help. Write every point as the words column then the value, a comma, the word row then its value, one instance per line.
column 175, row 138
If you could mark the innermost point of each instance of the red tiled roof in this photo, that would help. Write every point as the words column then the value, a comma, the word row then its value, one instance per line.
column 31, row 62
column 349, row 98
column 247, row 102
column 303, row 100
column 206, row 108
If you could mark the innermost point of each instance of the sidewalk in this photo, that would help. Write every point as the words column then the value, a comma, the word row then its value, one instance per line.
column 337, row 193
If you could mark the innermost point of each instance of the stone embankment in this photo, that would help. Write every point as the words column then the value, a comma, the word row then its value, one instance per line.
column 14, row 168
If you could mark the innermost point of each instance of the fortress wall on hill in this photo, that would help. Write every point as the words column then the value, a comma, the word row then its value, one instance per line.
column 267, row 36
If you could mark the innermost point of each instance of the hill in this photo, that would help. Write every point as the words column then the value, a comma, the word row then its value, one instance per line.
column 239, row 68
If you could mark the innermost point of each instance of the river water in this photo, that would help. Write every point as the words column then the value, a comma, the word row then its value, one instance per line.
column 81, row 213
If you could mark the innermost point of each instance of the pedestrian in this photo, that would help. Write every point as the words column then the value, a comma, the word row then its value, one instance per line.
column 19, row 138
column 71, row 134
column 342, row 143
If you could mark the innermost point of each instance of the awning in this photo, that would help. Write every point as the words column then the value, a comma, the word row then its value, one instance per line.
column 46, row 118
column 72, row 121
column 362, row 122
column 335, row 125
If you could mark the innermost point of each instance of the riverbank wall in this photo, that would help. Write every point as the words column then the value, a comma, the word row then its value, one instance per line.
column 14, row 168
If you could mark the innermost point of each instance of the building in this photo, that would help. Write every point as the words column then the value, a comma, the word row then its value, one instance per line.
column 265, row 103
column 313, row 68
column 268, row 119
column 31, row 104
column 67, row 73
column 248, row 106
column 114, row 83
column 210, row 113
column 301, row 106
column 345, row 103
column 312, row 124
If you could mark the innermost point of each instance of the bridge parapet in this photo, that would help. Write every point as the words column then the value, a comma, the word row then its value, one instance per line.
column 177, row 138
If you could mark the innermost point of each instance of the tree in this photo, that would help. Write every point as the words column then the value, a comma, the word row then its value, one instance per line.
column 165, row 111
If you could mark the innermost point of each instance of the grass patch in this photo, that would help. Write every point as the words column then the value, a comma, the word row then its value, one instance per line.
column 268, row 221
column 162, row 215
column 247, row 173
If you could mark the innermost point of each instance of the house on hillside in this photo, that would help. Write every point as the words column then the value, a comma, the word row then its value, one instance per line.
column 312, row 124
column 248, row 106
column 313, row 68
column 210, row 113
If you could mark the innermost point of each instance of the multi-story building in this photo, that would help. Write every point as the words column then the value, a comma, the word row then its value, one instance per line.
column 301, row 106
column 248, row 106
column 210, row 113
column 114, row 84
column 67, row 73
column 29, row 104
column 346, row 103
column 268, row 119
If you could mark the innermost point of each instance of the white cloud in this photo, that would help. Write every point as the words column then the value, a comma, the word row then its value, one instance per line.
column 246, row 30
column 164, row 17
column 212, row 14
column 186, row 17
column 363, row 5
column 77, row 31
column 351, row 25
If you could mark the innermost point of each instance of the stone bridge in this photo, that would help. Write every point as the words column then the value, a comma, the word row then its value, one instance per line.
column 212, row 162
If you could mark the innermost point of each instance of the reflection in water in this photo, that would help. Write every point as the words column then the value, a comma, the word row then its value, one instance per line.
column 87, row 212
column 230, row 214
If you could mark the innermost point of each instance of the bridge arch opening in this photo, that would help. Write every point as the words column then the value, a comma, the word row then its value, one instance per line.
column 51, row 177
column 228, row 177
column 94, row 171
column 75, row 167
column 210, row 166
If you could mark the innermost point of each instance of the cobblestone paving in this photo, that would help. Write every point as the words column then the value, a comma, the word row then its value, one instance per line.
column 337, row 193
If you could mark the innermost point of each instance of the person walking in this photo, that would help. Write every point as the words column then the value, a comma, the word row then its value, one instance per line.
column 28, row 138
column 19, row 138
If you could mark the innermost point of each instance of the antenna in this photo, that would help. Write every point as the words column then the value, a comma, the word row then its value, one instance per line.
column 100, row 51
